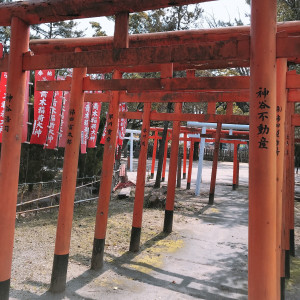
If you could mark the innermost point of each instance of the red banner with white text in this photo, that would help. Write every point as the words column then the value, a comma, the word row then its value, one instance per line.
column 102, row 141
column 42, row 103
column 85, row 125
column 52, row 137
column 63, row 129
column 94, row 124
column 3, row 83
column 53, row 130
column 25, row 117
column 122, row 125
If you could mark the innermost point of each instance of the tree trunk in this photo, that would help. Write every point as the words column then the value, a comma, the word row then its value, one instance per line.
column 30, row 187
column 196, row 151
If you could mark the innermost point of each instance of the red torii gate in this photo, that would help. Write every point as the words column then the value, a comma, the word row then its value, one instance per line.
column 263, row 219
column 177, row 117
column 185, row 131
column 224, row 134
column 174, row 117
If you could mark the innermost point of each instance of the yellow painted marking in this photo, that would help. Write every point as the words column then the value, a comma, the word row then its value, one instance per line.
column 212, row 210
column 153, row 257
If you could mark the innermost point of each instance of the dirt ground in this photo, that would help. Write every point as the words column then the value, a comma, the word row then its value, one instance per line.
column 208, row 247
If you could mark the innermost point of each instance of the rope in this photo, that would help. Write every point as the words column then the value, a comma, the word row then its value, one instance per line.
column 52, row 195
column 53, row 206
column 54, row 181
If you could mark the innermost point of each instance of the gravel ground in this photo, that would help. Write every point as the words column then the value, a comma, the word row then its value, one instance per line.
column 35, row 239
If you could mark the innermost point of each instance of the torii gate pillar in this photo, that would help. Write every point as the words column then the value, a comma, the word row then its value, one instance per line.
column 68, row 187
column 11, row 149
column 280, row 148
column 262, row 279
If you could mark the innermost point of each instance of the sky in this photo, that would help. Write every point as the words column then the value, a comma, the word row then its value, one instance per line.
column 225, row 10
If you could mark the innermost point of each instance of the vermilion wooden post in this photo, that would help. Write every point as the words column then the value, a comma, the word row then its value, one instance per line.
column 189, row 178
column 284, row 198
column 238, row 173
column 211, row 108
column 163, row 175
column 140, row 182
column 121, row 36
column 106, row 179
column 262, row 279
column 68, row 188
column 168, row 222
column 11, row 149
column 229, row 108
column 292, row 196
column 120, row 41
column 289, row 213
column 235, row 166
column 280, row 140
column 166, row 72
column 179, row 171
column 215, row 165
column 154, row 153
column 287, row 189
column 191, row 74
column 184, row 156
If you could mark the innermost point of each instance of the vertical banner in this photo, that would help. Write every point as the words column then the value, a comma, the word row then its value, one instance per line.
column 42, row 103
column 3, row 83
column 52, row 137
column 122, row 125
column 64, row 120
column 94, row 124
column 53, row 129
column 85, row 126
column 25, row 117
column 102, row 141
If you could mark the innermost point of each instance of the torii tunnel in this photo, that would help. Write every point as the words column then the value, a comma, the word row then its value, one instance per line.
column 265, row 46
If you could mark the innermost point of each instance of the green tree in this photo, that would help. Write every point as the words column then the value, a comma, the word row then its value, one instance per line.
column 90, row 163
column 168, row 19
column 5, row 32
column 63, row 29
column 287, row 10
column 98, row 29
column 38, row 164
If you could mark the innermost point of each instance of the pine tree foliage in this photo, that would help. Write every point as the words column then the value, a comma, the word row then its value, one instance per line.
column 287, row 10
column 168, row 19
column 63, row 29
column 5, row 32
column 98, row 29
